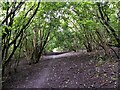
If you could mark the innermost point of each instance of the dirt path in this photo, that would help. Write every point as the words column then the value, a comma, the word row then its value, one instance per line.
column 70, row 70
column 39, row 79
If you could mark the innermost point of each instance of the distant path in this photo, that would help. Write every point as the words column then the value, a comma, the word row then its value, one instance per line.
column 63, row 55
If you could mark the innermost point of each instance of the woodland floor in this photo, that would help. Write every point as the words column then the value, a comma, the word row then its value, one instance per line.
column 71, row 70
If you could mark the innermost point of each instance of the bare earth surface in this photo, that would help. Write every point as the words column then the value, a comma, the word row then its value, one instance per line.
column 71, row 70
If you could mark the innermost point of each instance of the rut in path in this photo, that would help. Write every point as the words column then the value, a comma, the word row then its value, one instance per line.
column 39, row 79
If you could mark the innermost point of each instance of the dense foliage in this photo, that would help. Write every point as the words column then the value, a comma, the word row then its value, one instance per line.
column 30, row 29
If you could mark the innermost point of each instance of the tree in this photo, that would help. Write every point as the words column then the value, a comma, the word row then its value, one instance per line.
column 9, row 21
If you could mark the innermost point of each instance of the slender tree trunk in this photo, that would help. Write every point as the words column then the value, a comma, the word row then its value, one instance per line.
column 105, row 22
column 103, row 43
